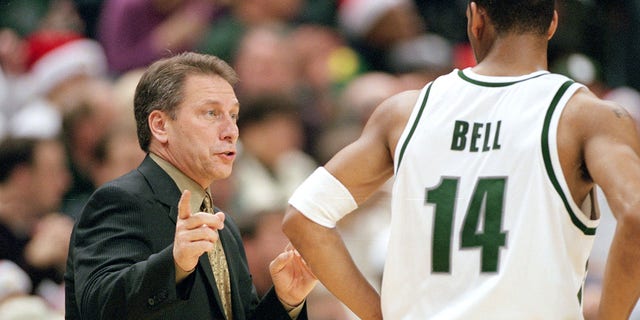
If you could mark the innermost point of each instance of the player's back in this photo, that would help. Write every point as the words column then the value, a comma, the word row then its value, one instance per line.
column 483, row 224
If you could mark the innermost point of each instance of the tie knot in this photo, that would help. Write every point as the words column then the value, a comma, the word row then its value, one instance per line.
column 206, row 203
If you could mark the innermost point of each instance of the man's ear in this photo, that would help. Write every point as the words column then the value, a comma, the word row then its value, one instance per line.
column 553, row 26
column 158, row 122
column 477, row 20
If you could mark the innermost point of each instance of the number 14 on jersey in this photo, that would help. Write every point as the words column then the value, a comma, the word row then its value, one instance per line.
column 481, row 227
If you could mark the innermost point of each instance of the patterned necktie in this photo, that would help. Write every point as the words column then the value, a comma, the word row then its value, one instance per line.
column 219, row 265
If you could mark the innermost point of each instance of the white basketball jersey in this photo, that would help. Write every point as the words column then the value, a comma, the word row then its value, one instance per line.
column 483, row 224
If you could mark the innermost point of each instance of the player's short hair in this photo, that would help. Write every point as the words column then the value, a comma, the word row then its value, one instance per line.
column 519, row 16
column 160, row 87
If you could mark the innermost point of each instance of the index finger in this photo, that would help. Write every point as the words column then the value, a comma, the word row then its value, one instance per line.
column 184, row 206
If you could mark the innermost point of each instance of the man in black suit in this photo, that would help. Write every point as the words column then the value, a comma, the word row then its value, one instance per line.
column 142, row 249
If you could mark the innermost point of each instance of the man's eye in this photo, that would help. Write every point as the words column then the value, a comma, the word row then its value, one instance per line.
column 212, row 113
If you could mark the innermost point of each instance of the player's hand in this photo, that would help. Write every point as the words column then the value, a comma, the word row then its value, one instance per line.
column 195, row 234
column 292, row 278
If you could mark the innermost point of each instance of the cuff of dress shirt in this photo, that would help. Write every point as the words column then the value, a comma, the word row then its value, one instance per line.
column 293, row 311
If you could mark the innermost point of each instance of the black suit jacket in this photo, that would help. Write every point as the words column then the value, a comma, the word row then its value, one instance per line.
column 121, row 265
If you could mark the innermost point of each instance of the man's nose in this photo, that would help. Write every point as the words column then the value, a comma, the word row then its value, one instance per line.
column 229, row 130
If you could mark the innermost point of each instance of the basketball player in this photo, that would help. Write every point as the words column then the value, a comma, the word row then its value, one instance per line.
column 493, row 212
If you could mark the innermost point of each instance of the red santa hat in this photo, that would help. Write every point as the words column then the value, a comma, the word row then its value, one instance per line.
column 54, row 55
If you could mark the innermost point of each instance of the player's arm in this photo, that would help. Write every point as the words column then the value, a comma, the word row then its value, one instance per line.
column 351, row 176
column 611, row 152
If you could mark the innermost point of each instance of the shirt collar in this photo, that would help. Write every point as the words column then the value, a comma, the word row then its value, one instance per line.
column 183, row 182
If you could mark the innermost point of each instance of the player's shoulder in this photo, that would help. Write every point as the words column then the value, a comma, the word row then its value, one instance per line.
column 398, row 105
column 588, row 112
column 404, row 102
column 393, row 113
column 585, row 105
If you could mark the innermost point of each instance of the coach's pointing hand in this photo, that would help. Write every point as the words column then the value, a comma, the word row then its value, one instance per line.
column 195, row 234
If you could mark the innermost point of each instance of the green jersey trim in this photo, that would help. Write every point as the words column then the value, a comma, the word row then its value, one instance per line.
column 413, row 126
column 547, row 160
column 494, row 84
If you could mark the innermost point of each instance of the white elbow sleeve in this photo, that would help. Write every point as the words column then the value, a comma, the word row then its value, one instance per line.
column 323, row 199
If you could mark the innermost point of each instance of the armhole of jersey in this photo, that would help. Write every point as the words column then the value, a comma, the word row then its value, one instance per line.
column 552, row 160
column 416, row 114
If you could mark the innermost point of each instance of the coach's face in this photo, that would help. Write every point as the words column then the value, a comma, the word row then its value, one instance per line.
column 201, row 140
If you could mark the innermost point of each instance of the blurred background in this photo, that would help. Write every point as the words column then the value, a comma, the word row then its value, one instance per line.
column 311, row 72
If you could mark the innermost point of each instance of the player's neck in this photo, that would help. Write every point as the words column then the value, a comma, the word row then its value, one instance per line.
column 514, row 56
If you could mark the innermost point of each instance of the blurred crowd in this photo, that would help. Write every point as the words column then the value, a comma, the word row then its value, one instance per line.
column 310, row 73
